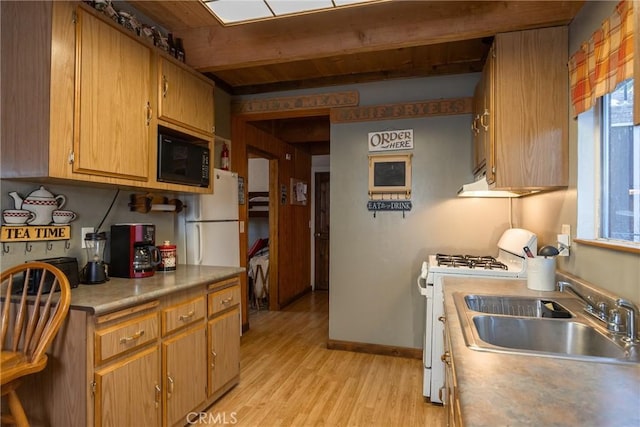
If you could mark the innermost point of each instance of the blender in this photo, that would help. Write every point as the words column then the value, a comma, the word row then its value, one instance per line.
column 94, row 271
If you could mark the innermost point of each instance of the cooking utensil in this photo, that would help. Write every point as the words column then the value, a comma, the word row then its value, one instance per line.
column 528, row 251
column 548, row 251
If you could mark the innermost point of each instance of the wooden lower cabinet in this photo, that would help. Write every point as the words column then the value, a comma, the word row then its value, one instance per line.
column 451, row 400
column 184, row 359
column 224, row 349
column 143, row 365
column 128, row 392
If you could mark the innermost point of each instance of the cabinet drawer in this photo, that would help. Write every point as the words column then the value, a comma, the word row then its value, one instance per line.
column 125, row 336
column 223, row 299
column 182, row 314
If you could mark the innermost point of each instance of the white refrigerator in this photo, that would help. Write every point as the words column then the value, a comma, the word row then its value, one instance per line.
column 210, row 231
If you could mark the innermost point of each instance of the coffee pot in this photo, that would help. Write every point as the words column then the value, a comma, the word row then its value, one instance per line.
column 145, row 257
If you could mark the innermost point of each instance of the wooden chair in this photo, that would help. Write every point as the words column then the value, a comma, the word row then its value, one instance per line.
column 29, row 325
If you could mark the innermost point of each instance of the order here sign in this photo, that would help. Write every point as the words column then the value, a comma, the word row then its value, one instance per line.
column 389, row 140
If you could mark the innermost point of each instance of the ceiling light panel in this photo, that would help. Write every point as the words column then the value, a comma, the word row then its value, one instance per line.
column 229, row 11
column 286, row 7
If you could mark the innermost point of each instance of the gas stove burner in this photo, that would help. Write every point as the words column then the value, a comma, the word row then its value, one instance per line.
column 489, row 265
column 486, row 262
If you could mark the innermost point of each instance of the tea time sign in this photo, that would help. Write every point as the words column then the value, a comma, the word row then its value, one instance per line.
column 390, row 140
column 31, row 233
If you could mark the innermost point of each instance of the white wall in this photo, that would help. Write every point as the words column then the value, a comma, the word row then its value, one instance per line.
column 374, row 261
column 258, row 181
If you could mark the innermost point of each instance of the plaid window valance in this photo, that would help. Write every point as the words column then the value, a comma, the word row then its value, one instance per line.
column 603, row 61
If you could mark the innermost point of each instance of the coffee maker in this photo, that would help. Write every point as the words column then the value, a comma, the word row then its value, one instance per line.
column 133, row 250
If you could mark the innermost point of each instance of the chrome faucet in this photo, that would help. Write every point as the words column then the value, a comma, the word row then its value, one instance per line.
column 632, row 315
column 600, row 311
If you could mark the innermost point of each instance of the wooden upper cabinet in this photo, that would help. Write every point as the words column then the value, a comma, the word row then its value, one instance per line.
column 527, row 89
column 113, row 109
column 185, row 98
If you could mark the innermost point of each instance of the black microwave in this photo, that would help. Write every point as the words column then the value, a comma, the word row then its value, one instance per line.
column 182, row 162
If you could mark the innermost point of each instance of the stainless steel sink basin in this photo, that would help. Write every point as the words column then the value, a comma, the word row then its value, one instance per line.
column 511, row 324
column 548, row 336
column 516, row 306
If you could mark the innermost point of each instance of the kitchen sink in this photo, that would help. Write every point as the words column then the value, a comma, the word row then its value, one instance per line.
column 570, row 338
column 516, row 306
column 517, row 325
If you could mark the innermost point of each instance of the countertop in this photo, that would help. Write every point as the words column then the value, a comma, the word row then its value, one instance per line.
column 119, row 293
column 498, row 389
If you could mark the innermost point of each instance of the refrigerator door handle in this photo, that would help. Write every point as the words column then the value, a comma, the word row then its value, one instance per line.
column 200, row 248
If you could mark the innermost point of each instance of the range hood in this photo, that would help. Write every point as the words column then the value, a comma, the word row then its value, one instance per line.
column 480, row 188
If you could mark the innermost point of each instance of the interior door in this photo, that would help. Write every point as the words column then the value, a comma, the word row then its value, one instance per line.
column 321, row 240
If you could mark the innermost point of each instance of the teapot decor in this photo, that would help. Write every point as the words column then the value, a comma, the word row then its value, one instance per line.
column 41, row 202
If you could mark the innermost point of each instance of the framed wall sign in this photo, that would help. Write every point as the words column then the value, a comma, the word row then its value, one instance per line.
column 390, row 174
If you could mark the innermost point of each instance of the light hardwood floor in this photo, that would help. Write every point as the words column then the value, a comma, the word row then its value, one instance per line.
column 289, row 378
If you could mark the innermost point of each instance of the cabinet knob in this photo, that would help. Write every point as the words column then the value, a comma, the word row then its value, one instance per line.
column 188, row 316
column 484, row 116
column 165, row 86
column 158, row 396
column 445, row 357
column 149, row 113
column 170, row 388
column 126, row 340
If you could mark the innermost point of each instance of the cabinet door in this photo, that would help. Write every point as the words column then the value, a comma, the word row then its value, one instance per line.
column 128, row 392
column 184, row 370
column 185, row 99
column 224, row 349
column 112, row 128
column 477, row 130
column 530, row 147
column 488, row 116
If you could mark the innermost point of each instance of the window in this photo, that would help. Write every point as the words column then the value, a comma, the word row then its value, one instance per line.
column 609, row 170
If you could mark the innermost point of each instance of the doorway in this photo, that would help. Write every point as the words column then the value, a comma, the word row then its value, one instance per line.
column 321, row 237
column 261, row 231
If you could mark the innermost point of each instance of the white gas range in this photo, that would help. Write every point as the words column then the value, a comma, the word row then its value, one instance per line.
column 508, row 264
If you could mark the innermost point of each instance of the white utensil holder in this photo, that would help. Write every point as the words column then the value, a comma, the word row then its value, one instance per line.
column 541, row 274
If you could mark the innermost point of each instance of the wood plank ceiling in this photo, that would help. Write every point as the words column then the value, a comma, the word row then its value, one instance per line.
column 381, row 41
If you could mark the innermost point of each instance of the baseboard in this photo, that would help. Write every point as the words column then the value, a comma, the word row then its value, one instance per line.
column 385, row 350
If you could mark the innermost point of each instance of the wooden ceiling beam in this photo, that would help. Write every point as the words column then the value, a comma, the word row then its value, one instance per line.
column 380, row 26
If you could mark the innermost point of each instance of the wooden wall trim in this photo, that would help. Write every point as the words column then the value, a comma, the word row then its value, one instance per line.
column 321, row 101
column 384, row 350
column 407, row 110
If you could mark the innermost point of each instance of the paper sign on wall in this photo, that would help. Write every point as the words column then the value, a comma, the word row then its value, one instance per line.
column 390, row 140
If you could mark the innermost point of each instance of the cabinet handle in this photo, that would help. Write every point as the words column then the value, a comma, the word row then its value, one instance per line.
column 226, row 300
column 149, row 113
column 165, row 86
column 170, row 390
column 445, row 357
column 474, row 125
column 187, row 316
column 482, row 121
column 158, row 395
column 133, row 337
column 213, row 363
column 442, row 319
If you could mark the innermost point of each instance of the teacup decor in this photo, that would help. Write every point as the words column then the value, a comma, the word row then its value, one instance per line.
column 17, row 216
column 61, row 217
